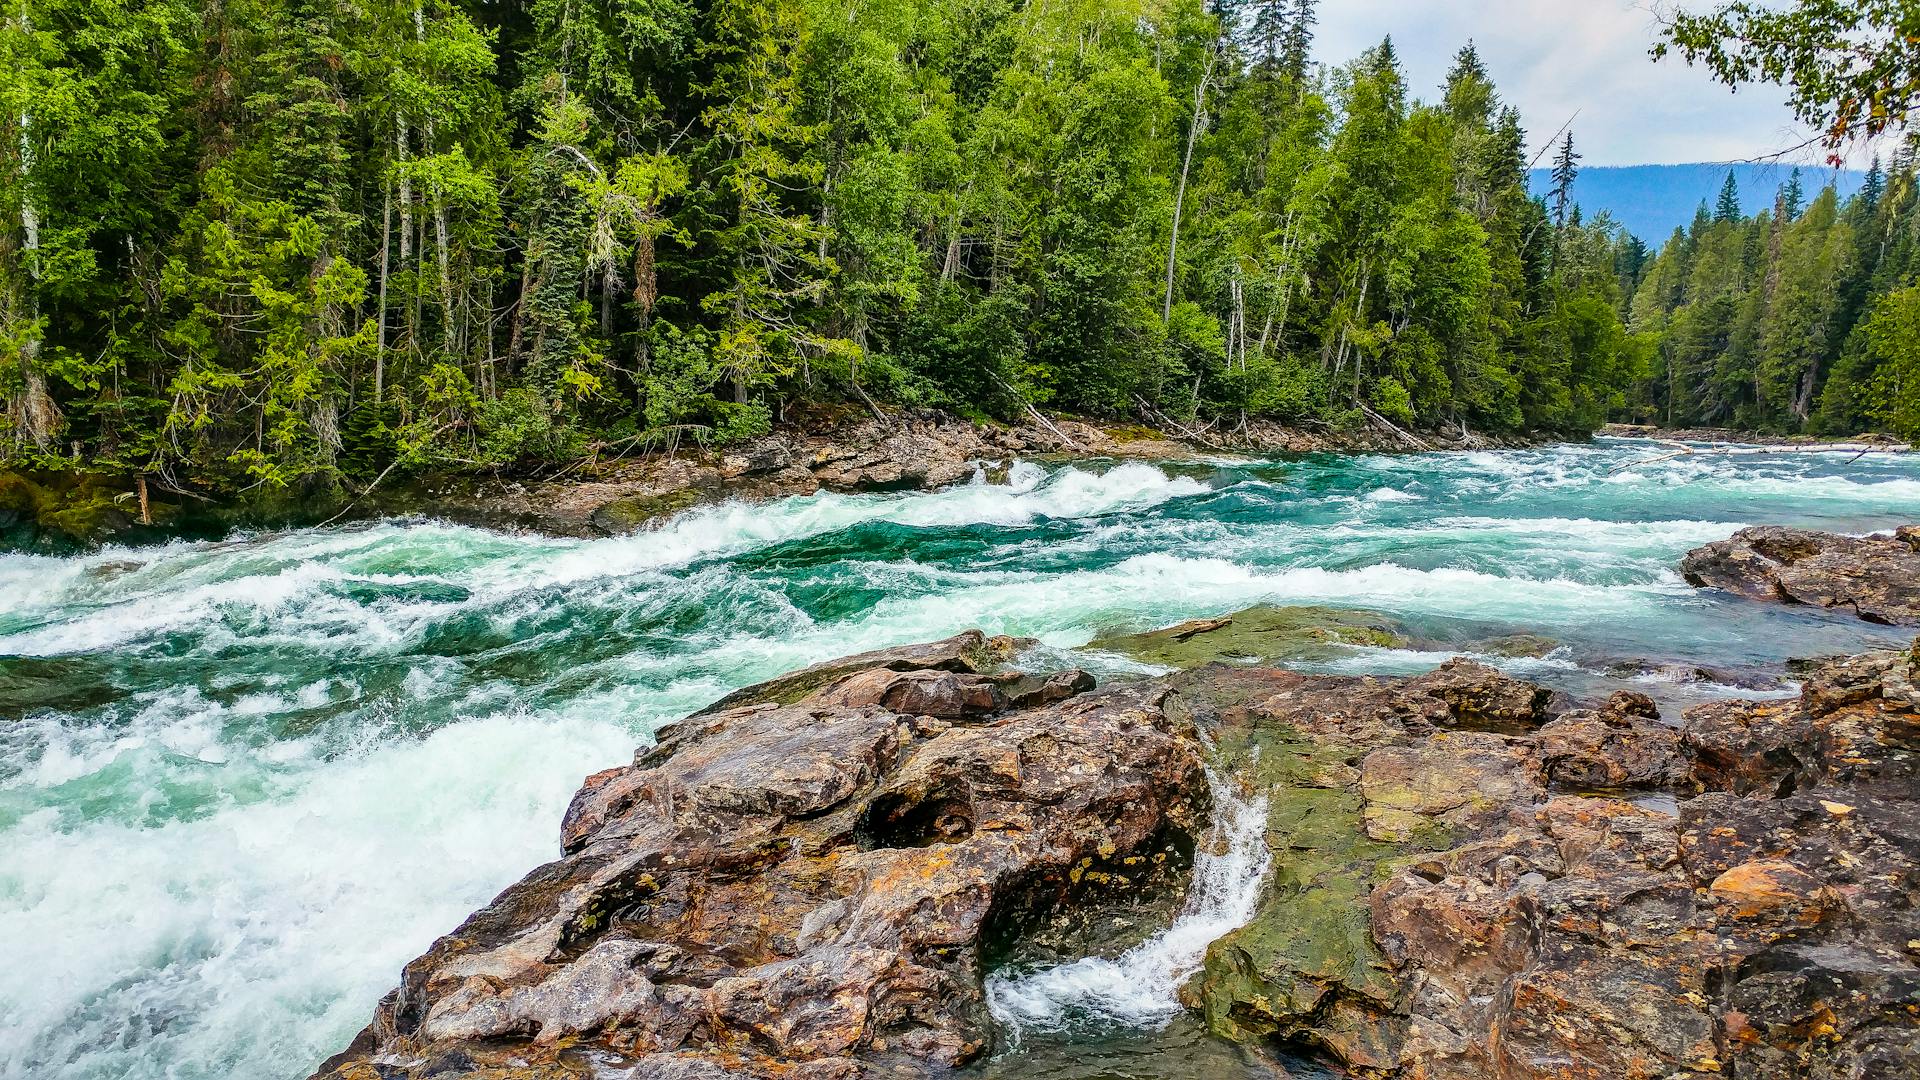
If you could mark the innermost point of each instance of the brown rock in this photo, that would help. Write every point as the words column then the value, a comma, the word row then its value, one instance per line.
column 786, row 889
column 1610, row 751
column 1877, row 578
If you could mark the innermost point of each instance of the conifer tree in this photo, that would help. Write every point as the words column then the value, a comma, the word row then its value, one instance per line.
column 1727, row 208
column 1566, row 169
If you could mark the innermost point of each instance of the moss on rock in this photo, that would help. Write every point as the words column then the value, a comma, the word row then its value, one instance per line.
column 1258, row 634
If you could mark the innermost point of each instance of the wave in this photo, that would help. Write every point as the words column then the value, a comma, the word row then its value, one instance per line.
column 148, row 953
column 120, row 596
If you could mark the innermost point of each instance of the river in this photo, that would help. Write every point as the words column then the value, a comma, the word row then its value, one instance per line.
column 243, row 782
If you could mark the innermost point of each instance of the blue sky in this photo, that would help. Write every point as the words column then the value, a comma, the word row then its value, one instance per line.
column 1554, row 57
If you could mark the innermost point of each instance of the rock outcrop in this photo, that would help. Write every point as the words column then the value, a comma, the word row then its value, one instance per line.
column 805, row 885
column 1264, row 634
column 809, row 879
column 1509, row 902
column 1875, row 577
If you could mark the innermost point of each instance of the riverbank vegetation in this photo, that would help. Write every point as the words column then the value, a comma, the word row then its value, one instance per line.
column 262, row 243
column 1802, row 318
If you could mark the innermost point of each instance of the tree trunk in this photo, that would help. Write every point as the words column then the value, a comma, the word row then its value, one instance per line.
column 451, row 337
column 406, row 205
column 1180, row 193
column 646, row 292
column 380, row 353
column 38, row 415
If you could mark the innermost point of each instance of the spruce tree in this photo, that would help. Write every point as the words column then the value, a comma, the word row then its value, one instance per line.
column 1727, row 209
column 1296, row 41
column 1566, row 169
column 1792, row 198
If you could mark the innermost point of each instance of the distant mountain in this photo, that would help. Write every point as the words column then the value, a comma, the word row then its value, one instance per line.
column 1653, row 200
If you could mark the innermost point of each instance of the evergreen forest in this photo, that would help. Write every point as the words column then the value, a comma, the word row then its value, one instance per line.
column 259, row 243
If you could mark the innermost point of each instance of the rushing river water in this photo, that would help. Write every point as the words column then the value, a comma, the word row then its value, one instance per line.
column 242, row 783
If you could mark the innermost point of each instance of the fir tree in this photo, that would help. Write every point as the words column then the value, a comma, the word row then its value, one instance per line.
column 1296, row 42
column 1792, row 198
column 1566, row 169
column 1727, row 209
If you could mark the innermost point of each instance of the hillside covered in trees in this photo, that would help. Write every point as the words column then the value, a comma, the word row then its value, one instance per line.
column 1802, row 318
column 260, row 242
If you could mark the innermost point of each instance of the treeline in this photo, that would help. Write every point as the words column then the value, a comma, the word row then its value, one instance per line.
column 262, row 241
column 1803, row 318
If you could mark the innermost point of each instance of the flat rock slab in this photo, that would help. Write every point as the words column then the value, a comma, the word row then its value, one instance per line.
column 1260, row 634
column 1875, row 577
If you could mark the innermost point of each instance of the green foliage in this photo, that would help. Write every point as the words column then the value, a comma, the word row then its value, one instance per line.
column 1851, row 66
column 1764, row 322
column 267, row 243
column 1892, row 342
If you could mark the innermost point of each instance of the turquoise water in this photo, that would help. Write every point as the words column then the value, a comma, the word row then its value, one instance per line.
column 242, row 783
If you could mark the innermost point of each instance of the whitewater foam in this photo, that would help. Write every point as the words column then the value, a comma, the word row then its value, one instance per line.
column 1139, row 987
column 269, row 770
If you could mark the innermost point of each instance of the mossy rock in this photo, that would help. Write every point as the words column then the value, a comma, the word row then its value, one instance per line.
column 627, row 515
column 1515, row 646
column 1261, row 634
column 1306, row 964
column 55, row 510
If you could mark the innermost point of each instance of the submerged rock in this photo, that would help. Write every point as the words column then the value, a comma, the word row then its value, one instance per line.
column 1263, row 633
column 1877, row 577
column 1514, row 646
column 807, row 881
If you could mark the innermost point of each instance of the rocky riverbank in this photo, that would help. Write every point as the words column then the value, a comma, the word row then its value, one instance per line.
column 1748, row 438
column 907, row 451
column 812, row 878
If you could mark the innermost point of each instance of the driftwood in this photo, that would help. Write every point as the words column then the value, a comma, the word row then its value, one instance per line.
column 1167, row 421
column 1190, row 630
column 1391, row 426
column 1035, row 413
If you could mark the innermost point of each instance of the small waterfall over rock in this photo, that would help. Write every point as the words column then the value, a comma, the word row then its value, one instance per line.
column 1139, row 987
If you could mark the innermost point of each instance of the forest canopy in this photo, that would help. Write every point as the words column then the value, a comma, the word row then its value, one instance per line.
column 260, row 243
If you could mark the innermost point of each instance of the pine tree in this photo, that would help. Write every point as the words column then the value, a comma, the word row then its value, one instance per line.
column 1792, row 198
column 1296, row 41
column 1566, row 169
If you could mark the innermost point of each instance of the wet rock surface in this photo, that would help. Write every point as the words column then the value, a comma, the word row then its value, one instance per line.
column 1259, row 634
column 1875, row 577
column 805, row 888
column 1484, row 903
column 912, row 450
column 808, row 880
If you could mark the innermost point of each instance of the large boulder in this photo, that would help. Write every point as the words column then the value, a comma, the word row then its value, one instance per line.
column 1875, row 577
column 810, row 882
column 807, row 881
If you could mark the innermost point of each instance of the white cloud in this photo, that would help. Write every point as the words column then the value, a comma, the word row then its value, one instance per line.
column 1558, row 58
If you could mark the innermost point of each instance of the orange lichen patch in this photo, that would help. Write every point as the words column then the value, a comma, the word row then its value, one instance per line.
column 1766, row 887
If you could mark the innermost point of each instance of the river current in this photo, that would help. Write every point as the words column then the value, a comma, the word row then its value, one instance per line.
column 243, row 782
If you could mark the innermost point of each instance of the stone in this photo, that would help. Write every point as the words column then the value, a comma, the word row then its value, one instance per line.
column 1258, row 634
column 809, row 878
column 1876, row 578
column 1767, row 930
column 1621, row 747
column 810, row 882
